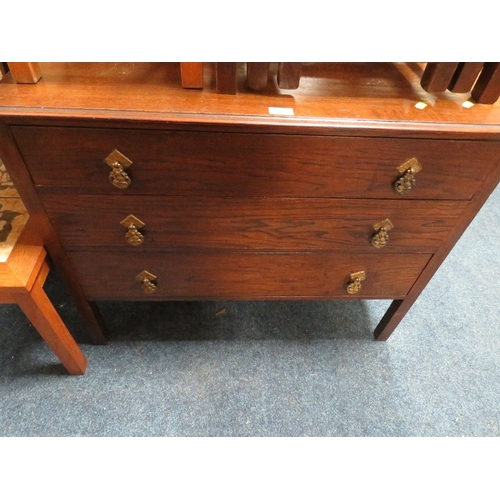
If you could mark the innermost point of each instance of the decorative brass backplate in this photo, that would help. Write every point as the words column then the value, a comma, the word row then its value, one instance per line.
column 381, row 238
column 407, row 181
column 118, row 163
column 133, row 235
column 116, row 157
column 146, row 278
column 412, row 163
column 355, row 285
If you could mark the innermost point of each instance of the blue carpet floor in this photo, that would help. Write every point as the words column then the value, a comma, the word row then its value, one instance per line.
column 273, row 368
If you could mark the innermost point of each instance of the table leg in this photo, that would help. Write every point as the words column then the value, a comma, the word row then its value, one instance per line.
column 42, row 314
column 391, row 319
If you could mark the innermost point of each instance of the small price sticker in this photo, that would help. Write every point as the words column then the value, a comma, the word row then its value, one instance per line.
column 281, row 111
column 420, row 105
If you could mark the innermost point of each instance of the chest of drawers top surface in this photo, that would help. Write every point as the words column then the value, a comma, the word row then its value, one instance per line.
column 370, row 98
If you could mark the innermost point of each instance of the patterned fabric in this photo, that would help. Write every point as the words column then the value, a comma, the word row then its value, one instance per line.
column 13, row 215
column 7, row 189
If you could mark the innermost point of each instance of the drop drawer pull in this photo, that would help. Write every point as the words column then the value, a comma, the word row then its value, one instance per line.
column 146, row 279
column 355, row 285
column 407, row 180
column 133, row 235
column 380, row 239
column 118, row 164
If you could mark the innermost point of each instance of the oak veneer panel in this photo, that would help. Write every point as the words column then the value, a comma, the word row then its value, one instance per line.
column 245, row 276
column 251, row 223
column 255, row 165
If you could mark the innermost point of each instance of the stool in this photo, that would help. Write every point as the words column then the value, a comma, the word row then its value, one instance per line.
column 23, row 270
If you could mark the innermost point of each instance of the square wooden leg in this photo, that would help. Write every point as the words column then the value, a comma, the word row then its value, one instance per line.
column 391, row 319
column 42, row 314
column 25, row 72
column 192, row 75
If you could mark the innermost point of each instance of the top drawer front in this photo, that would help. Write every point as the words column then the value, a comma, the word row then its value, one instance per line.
column 172, row 162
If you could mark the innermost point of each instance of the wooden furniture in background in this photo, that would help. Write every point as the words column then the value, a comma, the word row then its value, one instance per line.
column 192, row 75
column 25, row 72
column 289, row 75
column 4, row 69
column 22, row 277
column 225, row 77
column 465, row 76
column 481, row 79
column 487, row 88
column 437, row 77
column 257, row 75
column 177, row 195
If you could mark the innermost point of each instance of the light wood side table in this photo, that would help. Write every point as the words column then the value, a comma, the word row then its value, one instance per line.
column 23, row 270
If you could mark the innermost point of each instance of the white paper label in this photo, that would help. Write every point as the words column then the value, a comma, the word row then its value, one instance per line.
column 281, row 111
column 420, row 105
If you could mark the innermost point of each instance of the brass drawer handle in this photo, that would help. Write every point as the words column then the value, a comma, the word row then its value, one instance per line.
column 146, row 279
column 118, row 163
column 407, row 180
column 133, row 235
column 355, row 285
column 381, row 238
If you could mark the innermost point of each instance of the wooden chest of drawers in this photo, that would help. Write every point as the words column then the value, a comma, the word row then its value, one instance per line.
column 226, row 206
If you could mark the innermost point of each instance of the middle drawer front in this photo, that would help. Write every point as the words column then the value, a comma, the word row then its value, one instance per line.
column 243, row 276
column 181, row 223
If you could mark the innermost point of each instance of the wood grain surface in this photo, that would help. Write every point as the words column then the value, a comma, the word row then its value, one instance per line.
column 192, row 75
column 45, row 233
column 253, row 165
column 181, row 223
column 45, row 318
column 245, row 276
column 487, row 88
column 289, row 75
column 437, row 76
column 19, row 272
column 251, row 205
column 257, row 75
column 225, row 78
column 25, row 72
column 364, row 96
column 464, row 77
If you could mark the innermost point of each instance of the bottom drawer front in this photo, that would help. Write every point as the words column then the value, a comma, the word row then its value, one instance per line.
column 239, row 276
